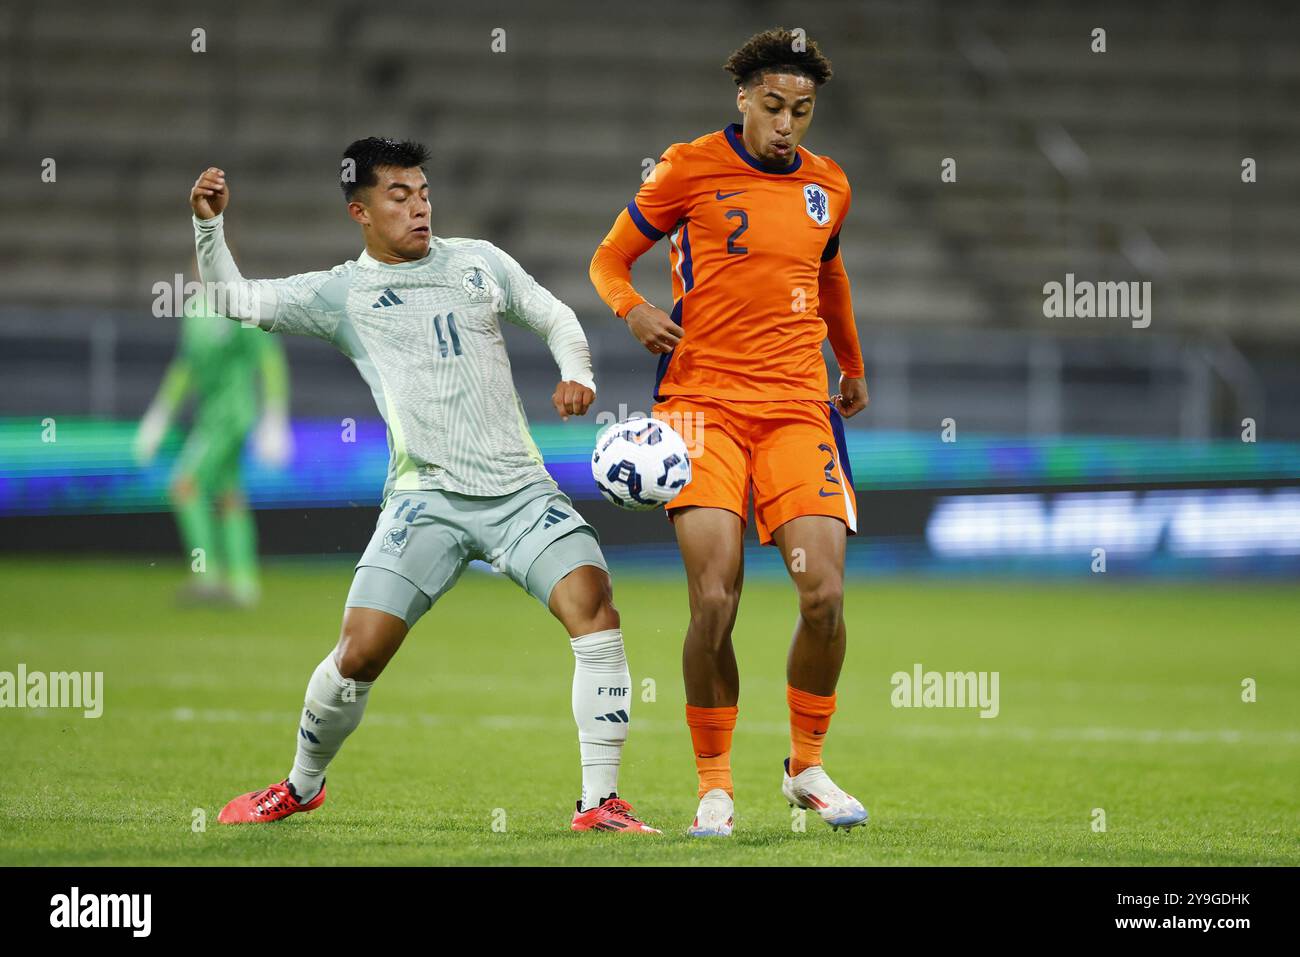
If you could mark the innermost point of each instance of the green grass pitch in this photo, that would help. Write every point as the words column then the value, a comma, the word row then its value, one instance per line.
column 1119, row 696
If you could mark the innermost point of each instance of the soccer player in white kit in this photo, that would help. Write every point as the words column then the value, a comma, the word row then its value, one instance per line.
column 419, row 317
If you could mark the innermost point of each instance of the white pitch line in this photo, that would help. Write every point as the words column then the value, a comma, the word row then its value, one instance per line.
column 505, row 722
column 1129, row 735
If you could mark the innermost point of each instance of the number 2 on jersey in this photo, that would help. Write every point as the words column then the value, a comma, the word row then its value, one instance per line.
column 737, row 232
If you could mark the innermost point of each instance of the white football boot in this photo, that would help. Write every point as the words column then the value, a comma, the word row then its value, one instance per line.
column 715, row 815
column 812, row 788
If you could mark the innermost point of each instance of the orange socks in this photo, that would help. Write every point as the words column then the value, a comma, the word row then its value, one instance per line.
column 810, row 716
column 711, row 730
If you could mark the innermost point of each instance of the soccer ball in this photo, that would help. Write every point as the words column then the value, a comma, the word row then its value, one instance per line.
column 640, row 464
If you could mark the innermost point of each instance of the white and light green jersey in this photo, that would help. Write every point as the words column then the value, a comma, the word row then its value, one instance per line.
column 426, row 337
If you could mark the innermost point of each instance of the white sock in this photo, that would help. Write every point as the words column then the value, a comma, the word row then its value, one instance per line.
column 602, row 708
column 330, row 712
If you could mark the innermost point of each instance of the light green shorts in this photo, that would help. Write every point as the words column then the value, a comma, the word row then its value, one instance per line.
column 424, row 540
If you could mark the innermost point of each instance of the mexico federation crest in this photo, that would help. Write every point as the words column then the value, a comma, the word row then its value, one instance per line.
column 476, row 285
column 394, row 540
column 817, row 204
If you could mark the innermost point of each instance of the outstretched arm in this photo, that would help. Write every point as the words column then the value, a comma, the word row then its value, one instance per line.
column 305, row 304
column 226, row 291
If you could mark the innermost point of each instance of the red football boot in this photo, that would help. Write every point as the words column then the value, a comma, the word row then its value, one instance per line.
column 612, row 814
column 271, row 804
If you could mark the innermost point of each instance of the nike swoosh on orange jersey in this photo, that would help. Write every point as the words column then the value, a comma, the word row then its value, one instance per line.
column 719, row 194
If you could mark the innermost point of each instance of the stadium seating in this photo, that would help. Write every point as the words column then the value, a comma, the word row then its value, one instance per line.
column 1121, row 165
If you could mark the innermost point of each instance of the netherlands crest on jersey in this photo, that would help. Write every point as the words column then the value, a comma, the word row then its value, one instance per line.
column 817, row 204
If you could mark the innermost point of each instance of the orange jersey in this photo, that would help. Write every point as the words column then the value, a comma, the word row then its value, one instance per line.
column 752, row 252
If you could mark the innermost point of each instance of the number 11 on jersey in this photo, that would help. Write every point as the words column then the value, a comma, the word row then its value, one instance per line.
column 451, row 330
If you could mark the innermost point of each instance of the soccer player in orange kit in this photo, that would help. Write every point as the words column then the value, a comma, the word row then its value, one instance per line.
column 754, row 221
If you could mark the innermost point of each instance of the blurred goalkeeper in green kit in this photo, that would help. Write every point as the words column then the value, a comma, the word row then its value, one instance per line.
column 218, row 360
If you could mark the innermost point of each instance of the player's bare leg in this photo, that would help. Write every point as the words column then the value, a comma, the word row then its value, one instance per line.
column 711, row 543
column 367, row 642
column 712, row 547
column 813, row 549
column 583, row 601
column 335, row 702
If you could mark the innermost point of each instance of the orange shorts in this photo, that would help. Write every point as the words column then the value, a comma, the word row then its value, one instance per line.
column 790, row 451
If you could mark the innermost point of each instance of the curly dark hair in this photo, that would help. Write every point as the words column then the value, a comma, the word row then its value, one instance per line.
column 373, row 152
column 774, row 51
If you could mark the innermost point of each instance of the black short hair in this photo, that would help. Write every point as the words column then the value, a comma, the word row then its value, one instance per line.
column 371, row 153
column 778, row 51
